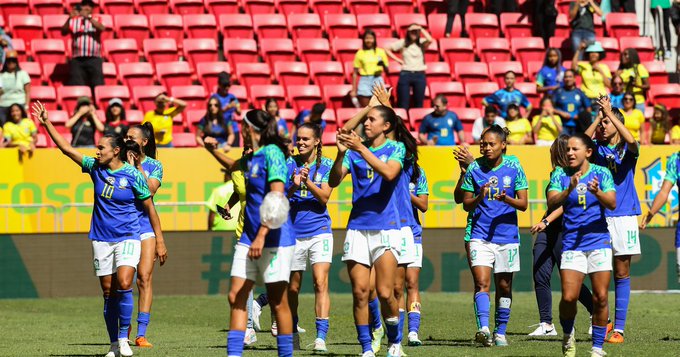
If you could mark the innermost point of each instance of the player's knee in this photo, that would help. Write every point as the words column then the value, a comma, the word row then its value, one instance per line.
column 144, row 280
column 360, row 293
column 294, row 289
column 124, row 283
column 622, row 274
column 320, row 285
column 384, row 293
column 569, row 298
column 482, row 286
column 600, row 298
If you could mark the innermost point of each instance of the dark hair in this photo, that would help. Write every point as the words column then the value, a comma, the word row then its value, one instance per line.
column 363, row 37
column 633, row 57
column 442, row 98
column 490, row 109
column 409, row 42
column 117, row 141
column 498, row 130
column 21, row 107
column 586, row 140
column 109, row 114
column 508, row 72
column 219, row 116
column 570, row 70
column 558, row 152
column 545, row 99
column 147, row 133
column 271, row 100
column 403, row 135
column 266, row 125
column 316, row 129
column 318, row 109
column 559, row 59
column 4, row 65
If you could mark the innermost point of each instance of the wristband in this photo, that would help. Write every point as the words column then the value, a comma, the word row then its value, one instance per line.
column 545, row 221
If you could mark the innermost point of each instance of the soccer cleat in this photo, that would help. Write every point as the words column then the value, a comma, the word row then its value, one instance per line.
column 483, row 336
column 113, row 350
column 413, row 339
column 250, row 338
column 544, row 329
column 141, row 341
column 320, row 345
column 275, row 329
column 500, row 340
column 597, row 352
column 616, row 337
column 255, row 312
column 368, row 354
column 569, row 345
column 610, row 327
column 378, row 335
column 296, row 342
column 394, row 350
column 124, row 345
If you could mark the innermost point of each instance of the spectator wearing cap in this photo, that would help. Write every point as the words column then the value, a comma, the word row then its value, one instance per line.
column 438, row 127
column 412, row 81
column 572, row 106
column 85, row 30
column 595, row 75
column 161, row 118
column 581, row 18
column 115, row 118
column 230, row 104
column 482, row 123
column 506, row 96
column 521, row 132
column 84, row 123
column 15, row 85
column 19, row 131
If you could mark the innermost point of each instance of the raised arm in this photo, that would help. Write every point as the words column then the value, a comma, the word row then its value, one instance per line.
column 338, row 171
column 228, row 163
column 389, row 170
column 626, row 135
column 40, row 113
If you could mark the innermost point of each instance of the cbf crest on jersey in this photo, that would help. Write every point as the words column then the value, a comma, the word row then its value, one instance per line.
column 253, row 169
column 581, row 188
column 507, row 181
column 383, row 158
column 654, row 175
column 317, row 178
column 493, row 181
column 123, row 183
column 111, row 180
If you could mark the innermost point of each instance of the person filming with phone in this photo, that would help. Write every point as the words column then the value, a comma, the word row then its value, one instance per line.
column 85, row 30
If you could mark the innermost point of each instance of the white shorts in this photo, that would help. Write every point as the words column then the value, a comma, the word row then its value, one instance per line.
column 145, row 236
column 417, row 256
column 590, row 261
column 404, row 244
column 366, row 246
column 318, row 249
column 625, row 235
column 272, row 267
column 503, row 258
column 108, row 256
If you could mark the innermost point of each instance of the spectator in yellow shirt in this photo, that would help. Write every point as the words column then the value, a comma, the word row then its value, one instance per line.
column 675, row 135
column 521, row 132
column 634, row 119
column 595, row 75
column 547, row 125
column 635, row 76
column 369, row 63
column 19, row 131
column 161, row 118
column 660, row 125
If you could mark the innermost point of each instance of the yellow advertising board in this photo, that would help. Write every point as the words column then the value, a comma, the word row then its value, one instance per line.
column 48, row 193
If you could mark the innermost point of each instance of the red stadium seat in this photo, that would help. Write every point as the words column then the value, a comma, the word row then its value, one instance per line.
column 323, row 7
column 344, row 49
column 195, row 96
column 431, row 6
column 167, row 27
column 136, row 74
column 467, row 114
column 622, row 24
column 50, row 7
column 528, row 49
column 34, row 71
column 171, row 74
column 313, row 49
column 199, row 50
column 183, row 140
column 291, row 73
column 475, row 93
column 416, row 115
column 305, row 26
column 563, row 44
column 379, row 23
column 529, row 90
column 260, row 93
column 348, row 69
column 250, row 74
column 207, row 73
column 13, row 7
column 121, row 51
column 497, row 71
column 241, row 94
column 666, row 94
column 107, row 21
column 515, row 25
column 393, row 7
column 481, row 26
column 144, row 96
column 341, row 26
column 471, row 72
column 391, row 76
column 67, row 96
column 240, row 51
column 55, row 74
column 610, row 45
column 362, row 6
column 456, row 50
column 192, row 117
column 52, row 25
column 134, row 116
column 148, row 7
column 49, row 51
column 236, row 26
column 562, row 28
column 344, row 114
column 326, row 73
column 222, row 7
column 255, row 7
column 437, row 26
column 46, row 95
column 657, row 72
column 41, row 140
column 187, row 7
column 438, row 72
column 643, row 45
column 118, row 7
column 274, row 50
column 105, row 93
column 160, row 50
column 20, row 46
column 403, row 21
column 386, row 42
column 453, row 91
column 336, row 96
column 292, row 6
column 331, row 122
column 493, row 49
column 200, row 26
column 270, row 26
column 532, row 69
column 328, row 138
column 132, row 26
column 26, row 26
column 303, row 97
column 432, row 52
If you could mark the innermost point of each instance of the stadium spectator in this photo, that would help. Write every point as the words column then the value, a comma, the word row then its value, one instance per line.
column 545, row 18
column 506, row 96
column 622, row 5
column 213, row 125
column 116, row 123
column 85, row 30
column 412, row 81
column 660, row 126
column 521, row 132
column 551, row 76
column 222, row 195
column 15, row 85
column 369, row 63
column 453, row 8
column 582, row 22
column 634, row 118
column 661, row 13
column 20, row 131
column 230, row 104
column 616, row 95
column 634, row 75
column 547, row 125
column 315, row 115
column 272, row 107
column 572, row 105
column 5, row 45
column 438, row 127
column 596, row 77
column 161, row 118
column 84, row 123
column 490, row 118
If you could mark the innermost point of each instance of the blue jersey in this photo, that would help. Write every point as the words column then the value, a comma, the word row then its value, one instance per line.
column 309, row 217
column 417, row 189
column 402, row 196
column 616, row 100
column 549, row 76
column 153, row 169
column 621, row 163
column 571, row 101
column 502, row 98
column 493, row 220
column 229, row 113
column 584, row 223
column 442, row 127
column 373, row 206
column 115, row 217
column 266, row 165
column 282, row 126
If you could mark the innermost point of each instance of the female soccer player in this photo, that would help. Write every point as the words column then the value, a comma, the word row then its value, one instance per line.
column 419, row 200
column 374, row 220
column 309, row 194
column 152, row 171
column 261, row 250
column 584, row 191
column 495, row 188
column 115, row 228
column 618, row 151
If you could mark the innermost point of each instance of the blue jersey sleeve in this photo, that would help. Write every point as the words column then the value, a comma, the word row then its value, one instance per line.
column 607, row 182
column 492, row 99
column 139, row 187
column 326, row 164
column 521, row 182
column 524, row 101
column 556, row 180
column 457, row 124
column 468, row 180
column 540, row 81
column 585, row 100
column 277, row 168
column 672, row 169
column 157, row 172
column 88, row 164
column 346, row 161
column 425, row 125
column 398, row 154
column 421, row 187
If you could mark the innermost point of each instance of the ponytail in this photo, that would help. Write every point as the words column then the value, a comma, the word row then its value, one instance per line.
column 147, row 133
column 403, row 135
column 266, row 125
column 117, row 141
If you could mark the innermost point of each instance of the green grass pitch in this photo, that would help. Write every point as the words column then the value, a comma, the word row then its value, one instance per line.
column 196, row 326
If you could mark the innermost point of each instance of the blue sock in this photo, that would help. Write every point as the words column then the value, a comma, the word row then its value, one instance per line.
column 125, row 307
column 374, row 314
column 502, row 315
column 235, row 343
column 622, row 287
column 364, row 337
column 482, row 307
column 599, row 333
column 414, row 319
column 262, row 300
column 284, row 344
column 392, row 327
column 568, row 327
column 111, row 317
column 402, row 319
column 295, row 323
column 142, row 323
column 322, row 326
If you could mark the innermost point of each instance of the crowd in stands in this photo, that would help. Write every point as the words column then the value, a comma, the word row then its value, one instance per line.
column 542, row 93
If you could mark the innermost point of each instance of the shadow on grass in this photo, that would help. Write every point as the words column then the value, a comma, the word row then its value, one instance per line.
column 81, row 355
column 90, row 344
